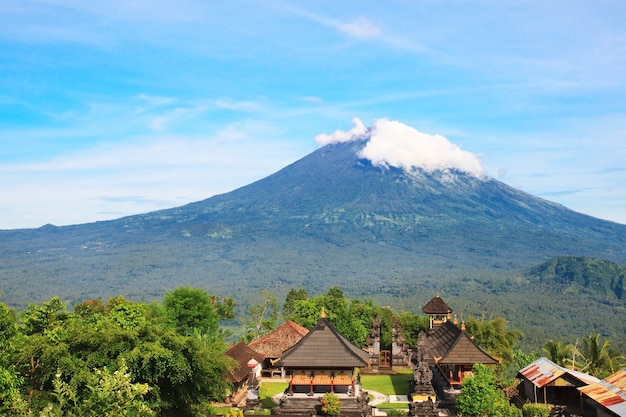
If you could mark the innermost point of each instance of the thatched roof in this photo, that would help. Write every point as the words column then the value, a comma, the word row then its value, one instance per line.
column 324, row 347
column 450, row 345
column 436, row 306
column 242, row 354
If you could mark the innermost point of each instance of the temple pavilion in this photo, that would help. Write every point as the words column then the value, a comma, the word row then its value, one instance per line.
column 437, row 311
column 451, row 352
column 323, row 361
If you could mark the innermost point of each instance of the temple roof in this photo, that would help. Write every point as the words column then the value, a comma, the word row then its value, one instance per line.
column 278, row 340
column 324, row 347
column 436, row 306
column 242, row 354
column 450, row 345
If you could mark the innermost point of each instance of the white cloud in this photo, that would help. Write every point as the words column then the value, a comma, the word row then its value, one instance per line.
column 141, row 174
column 393, row 143
column 357, row 131
column 361, row 28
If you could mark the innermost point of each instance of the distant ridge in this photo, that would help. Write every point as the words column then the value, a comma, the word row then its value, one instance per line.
column 330, row 218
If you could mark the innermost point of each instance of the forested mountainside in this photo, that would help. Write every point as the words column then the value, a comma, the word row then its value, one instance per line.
column 328, row 219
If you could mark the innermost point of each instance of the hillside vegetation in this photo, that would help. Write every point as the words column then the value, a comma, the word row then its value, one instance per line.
column 334, row 219
column 582, row 275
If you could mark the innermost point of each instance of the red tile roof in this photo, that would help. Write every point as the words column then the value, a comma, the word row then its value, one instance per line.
column 278, row 340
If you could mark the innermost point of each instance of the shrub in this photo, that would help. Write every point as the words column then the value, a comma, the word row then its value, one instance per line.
column 535, row 410
column 331, row 405
column 395, row 412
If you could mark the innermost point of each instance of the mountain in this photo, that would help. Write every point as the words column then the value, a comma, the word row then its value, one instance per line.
column 580, row 274
column 331, row 218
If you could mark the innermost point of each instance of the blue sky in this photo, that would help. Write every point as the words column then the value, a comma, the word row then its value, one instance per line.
column 115, row 108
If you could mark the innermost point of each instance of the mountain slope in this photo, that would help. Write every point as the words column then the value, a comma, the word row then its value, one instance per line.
column 330, row 218
column 580, row 274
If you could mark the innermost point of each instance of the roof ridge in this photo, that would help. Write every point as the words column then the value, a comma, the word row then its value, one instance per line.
column 351, row 350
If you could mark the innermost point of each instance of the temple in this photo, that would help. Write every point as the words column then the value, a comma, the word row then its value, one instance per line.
column 323, row 361
column 451, row 353
column 438, row 311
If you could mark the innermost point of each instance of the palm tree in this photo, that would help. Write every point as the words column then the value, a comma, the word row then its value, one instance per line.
column 597, row 357
column 558, row 353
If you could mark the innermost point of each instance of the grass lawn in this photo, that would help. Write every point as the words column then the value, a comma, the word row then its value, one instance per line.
column 393, row 406
column 268, row 390
column 397, row 384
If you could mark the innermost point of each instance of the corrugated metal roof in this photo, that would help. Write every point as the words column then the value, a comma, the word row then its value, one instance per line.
column 610, row 392
column 543, row 371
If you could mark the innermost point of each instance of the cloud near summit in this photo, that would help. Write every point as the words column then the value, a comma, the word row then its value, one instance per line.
column 392, row 143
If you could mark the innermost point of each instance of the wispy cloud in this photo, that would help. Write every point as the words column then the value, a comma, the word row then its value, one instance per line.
column 143, row 174
column 361, row 28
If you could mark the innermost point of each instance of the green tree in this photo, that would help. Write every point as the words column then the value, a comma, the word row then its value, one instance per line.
column 352, row 318
column 262, row 317
column 494, row 336
column 9, row 380
column 181, row 370
column 107, row 394
column 38, row 319
column 194, row 308
column 479, row 394
column 597, row 358
column 412, row 325
column 557, row 352
column 292, row 296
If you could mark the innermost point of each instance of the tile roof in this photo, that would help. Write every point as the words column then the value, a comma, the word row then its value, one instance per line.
column 543, row 371
column 450, row 345
column 610, row 392
column 242, row 354
column 324, row 347
column 436, row 306
column 278, row 340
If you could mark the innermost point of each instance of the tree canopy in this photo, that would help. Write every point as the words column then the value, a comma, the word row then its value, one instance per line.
column 147, row 358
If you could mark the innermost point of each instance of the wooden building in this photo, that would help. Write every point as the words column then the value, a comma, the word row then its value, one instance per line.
column 606, row 398
column 273, row 344
column 240, row 374
column 454, row 353
column 323, row 361
column 543, row 381
column 438, row 311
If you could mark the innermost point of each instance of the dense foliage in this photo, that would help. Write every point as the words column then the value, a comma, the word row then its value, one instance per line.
column 481, row 397
column 168, row 358
column 333, row 219
column 154, row 359
column 580, row 274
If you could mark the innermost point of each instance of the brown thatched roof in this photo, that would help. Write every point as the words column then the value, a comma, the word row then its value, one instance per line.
column 242, row 354
column 436, row 306
column 324, row 347
column 450, row 345
column 278, row 340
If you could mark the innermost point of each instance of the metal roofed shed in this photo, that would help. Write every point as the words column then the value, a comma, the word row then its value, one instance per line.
column 543, row 381
column 607, row 396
